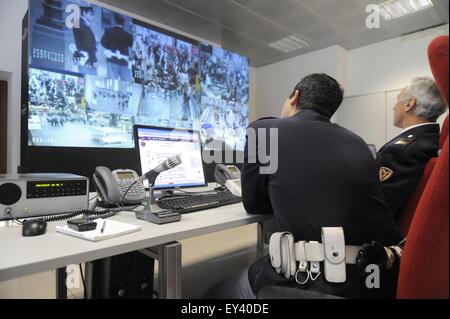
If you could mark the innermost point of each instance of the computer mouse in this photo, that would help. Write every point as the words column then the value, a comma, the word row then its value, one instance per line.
column 34, row 228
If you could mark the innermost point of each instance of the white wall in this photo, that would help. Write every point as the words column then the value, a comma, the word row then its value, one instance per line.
column 371, row 75
column 11, row 15
column 275, row 82
column 387, row 65
column 376, row 74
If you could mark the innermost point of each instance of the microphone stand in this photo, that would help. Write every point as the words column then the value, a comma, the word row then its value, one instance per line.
column 154, row 214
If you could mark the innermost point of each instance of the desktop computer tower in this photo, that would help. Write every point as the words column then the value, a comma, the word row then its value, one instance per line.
column 127, row 276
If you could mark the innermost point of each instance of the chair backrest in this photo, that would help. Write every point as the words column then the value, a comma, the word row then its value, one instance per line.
column 424, row 267
column 438, row 57
column 444, row 132
column 407, row 214
column 425, row 262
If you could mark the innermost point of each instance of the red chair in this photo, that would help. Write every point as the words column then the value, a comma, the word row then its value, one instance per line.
column 444, row 131
column 438, row 57
column 425, row 263
column 405, row 218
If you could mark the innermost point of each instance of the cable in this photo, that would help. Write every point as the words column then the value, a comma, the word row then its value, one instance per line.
column 88, row 213
column 402, row 242
column 8, row 212
column 124, row 209
column 124, row 194
column 66, row 216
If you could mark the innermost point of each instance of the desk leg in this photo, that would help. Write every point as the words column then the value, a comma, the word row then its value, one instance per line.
column 260, row 242
column 61, row 289
column 170, row 271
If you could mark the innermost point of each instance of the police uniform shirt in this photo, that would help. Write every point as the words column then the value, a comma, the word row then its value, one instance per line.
column 326, row 177
column 403, row 160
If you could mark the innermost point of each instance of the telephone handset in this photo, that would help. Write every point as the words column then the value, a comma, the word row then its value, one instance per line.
column 230, row 177
column 111, row 186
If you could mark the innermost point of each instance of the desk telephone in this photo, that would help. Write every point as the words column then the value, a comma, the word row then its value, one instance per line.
column 230, row 177
column 111, row 186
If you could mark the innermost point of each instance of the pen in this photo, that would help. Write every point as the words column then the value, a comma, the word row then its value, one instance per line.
column 103, row 226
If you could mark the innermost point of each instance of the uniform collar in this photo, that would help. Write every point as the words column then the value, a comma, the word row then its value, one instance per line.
column 415, row 130
column 417, row 125
column 310, row 115
column 86, row 21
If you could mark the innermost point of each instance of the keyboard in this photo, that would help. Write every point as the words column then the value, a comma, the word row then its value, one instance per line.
column 187, row 203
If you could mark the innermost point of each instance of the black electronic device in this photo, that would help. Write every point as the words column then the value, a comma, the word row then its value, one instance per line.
column 188, row 203
column 35, row 195
column 127, row 276
column 152, row 212
column 34, row 228
column 223, row 173
column 119, row 187
column 82, row 225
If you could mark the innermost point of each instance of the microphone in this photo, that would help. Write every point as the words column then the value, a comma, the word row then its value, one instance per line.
column 168, row 164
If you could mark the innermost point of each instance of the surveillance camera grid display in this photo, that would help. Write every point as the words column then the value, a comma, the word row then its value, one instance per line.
column 95, row 73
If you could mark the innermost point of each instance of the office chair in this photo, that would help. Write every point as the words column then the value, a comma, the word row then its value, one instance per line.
column 428, row 237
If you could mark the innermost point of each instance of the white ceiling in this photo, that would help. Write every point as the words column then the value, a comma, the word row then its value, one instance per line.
column 249, row 26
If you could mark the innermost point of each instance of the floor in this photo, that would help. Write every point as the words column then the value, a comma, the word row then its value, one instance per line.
column 206, row 259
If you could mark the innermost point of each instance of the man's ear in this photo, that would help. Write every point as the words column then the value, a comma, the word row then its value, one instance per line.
column 294, row 100
column 411, row 104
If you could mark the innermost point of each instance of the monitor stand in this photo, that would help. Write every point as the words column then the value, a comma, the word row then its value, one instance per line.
column 154, row 214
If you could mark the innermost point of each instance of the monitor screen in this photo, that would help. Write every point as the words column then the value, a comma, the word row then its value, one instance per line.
column 154, row 145
column 95, row 73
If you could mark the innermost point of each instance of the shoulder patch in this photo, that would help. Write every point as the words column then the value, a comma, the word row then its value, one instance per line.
column 405, row 140
column 385, row 173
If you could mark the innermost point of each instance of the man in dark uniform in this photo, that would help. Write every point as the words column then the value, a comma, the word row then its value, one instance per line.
column 117, row 43
column 326, row 177
column 85, row 41
column 403, row 159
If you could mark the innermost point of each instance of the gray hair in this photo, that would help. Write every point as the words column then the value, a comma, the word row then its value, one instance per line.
column 429, row 102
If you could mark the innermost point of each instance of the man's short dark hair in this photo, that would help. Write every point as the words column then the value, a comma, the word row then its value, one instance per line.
column 320, row 93
column 84, row 10
column 120, row 20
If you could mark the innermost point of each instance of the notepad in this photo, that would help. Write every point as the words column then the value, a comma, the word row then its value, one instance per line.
column 112, row 229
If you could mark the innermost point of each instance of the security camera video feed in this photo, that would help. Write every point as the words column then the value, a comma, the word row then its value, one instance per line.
column 94, row 73
column 225, row 96
column 59, row 114
column 167, row 69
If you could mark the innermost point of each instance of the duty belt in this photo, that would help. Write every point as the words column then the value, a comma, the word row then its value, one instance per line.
column 285, row 254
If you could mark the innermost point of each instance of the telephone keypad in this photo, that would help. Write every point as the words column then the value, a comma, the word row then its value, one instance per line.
column 136, row 190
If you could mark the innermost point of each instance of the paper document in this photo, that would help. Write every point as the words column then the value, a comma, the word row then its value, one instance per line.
column 105, row 229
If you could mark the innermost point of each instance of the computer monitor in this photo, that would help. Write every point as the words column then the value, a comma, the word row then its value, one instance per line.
column 373, row 149
column 155, row 144
column 81, row 97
